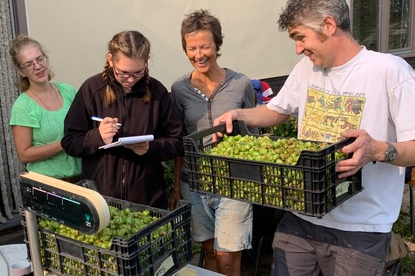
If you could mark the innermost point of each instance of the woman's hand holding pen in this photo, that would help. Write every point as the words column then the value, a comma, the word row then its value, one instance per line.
column 108, row 128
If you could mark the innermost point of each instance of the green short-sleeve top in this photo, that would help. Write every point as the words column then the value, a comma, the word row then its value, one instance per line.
column 47, row 128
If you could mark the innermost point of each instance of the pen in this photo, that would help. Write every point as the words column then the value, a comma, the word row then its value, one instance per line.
column 98, row 119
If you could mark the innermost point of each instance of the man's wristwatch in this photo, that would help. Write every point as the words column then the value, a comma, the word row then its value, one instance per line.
column 390, row 153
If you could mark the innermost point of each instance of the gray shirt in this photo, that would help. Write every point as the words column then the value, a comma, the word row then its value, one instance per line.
column 198, row 112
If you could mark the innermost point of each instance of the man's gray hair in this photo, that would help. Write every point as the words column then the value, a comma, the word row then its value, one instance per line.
column 310, row 13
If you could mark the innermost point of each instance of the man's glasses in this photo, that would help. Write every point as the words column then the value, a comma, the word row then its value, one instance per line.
column 41, row 60
column 124, row 75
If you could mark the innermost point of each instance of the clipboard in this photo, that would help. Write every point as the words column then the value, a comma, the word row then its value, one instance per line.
column 128, row 141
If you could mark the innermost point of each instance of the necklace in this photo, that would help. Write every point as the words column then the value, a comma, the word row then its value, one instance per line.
column 208, row 86
column 54, row 94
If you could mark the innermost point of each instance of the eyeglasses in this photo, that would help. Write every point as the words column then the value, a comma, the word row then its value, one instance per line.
column 124, row 75
column 41, row 60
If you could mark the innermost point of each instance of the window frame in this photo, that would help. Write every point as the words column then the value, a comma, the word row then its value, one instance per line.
column 18, row 15
column 384, row 10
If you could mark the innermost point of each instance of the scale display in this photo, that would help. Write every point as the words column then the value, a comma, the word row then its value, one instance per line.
column 72, row 205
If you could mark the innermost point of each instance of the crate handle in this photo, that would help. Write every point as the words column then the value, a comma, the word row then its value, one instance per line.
column 239, row 127
column 344, row 142
column 209, row 131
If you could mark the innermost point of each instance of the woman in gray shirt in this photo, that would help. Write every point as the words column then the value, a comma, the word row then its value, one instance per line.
column 222, row 225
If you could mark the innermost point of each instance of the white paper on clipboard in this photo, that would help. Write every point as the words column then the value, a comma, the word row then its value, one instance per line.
column 128, row 141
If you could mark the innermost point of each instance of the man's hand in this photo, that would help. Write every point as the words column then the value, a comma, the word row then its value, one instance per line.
column 226, row 118
column 364, row 150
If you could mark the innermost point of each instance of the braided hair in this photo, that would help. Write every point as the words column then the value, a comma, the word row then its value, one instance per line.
column 134, row 45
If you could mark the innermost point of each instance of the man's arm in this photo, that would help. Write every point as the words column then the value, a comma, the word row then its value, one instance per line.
column 260, row 116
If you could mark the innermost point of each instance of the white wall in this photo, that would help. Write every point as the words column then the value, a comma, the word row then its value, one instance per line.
column 76, row 32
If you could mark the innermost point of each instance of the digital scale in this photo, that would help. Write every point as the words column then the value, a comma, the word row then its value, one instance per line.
column 73, row 205
column 70, row 204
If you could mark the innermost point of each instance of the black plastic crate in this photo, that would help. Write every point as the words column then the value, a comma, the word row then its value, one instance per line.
column 141, row 254
column 310, row 187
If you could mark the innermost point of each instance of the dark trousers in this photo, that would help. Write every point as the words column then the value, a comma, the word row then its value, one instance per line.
column 302, row 248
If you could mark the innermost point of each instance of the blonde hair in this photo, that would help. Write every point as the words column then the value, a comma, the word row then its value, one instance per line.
column 134, row 45
column 16, row 47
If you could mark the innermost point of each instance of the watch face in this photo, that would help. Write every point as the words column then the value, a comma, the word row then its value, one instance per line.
column 390, row 153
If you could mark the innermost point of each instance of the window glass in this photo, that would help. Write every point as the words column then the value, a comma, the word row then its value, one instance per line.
column 399, row 22
column 366, row 23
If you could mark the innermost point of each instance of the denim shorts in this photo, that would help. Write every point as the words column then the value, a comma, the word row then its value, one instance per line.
column 227, row 221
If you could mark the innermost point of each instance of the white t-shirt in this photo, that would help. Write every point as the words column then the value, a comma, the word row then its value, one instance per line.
column 374, row 92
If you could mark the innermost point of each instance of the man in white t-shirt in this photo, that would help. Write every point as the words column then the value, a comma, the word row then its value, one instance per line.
column 365, row 94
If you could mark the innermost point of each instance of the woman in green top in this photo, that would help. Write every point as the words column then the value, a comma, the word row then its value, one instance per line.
column 37, row 114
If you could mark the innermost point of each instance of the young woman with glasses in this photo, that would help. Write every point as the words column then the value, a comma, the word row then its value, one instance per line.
column 131, row 103
column 37, row 114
